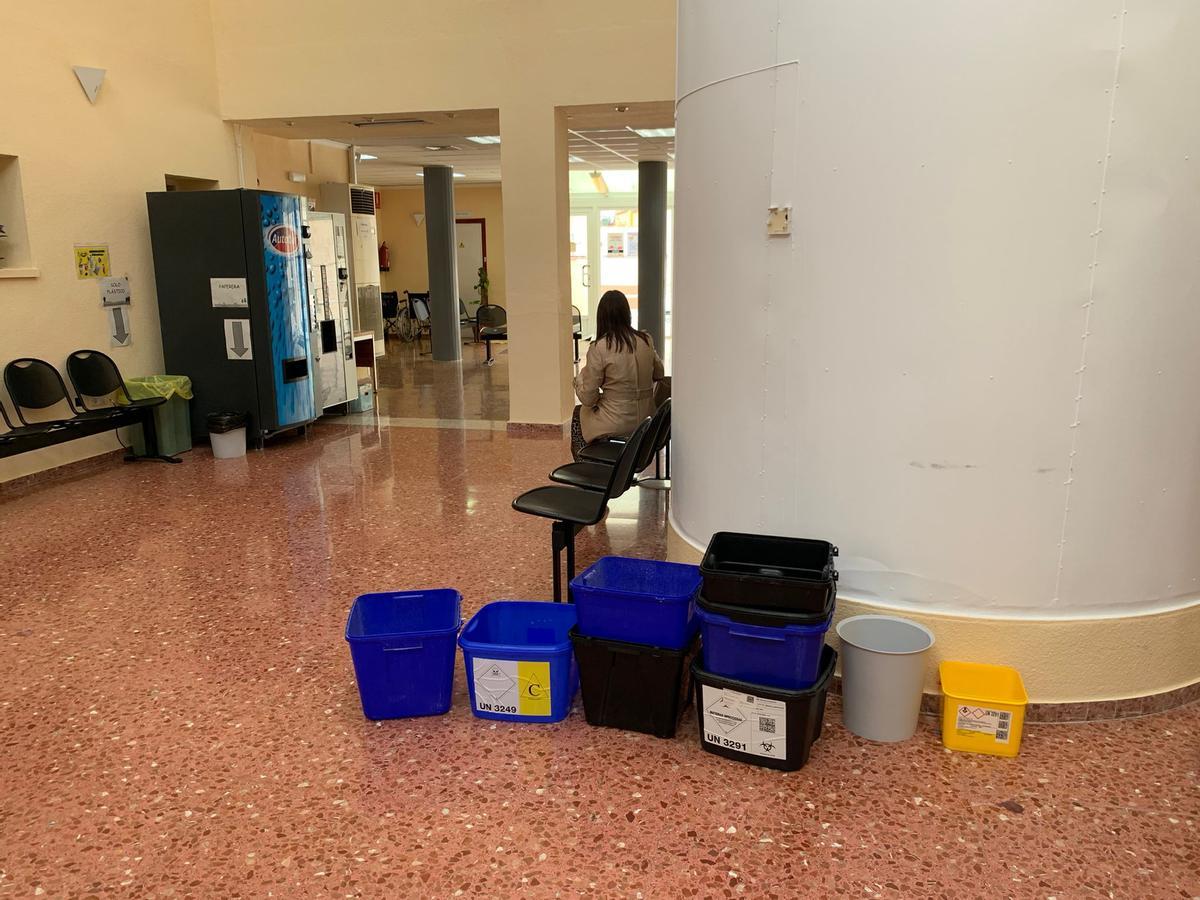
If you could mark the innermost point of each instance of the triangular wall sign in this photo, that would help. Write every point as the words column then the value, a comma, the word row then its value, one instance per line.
column 90, row 80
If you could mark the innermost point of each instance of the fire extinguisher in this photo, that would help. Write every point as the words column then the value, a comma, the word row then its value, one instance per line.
column 385, row 257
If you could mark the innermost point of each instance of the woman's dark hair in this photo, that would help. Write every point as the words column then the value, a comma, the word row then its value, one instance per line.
column 613, row 323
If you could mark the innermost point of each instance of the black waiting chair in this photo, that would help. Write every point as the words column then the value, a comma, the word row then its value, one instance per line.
column 29, row 434
column 608, row 450
column 35, row 384
column 491, row 323
column 391, row 312
column 576, row 329
column 94, row 374
column 573, row 508
column 593, row 475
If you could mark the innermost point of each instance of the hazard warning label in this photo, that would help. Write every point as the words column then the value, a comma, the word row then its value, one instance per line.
column 983, row 720
column 744, row 722
column 513, row 687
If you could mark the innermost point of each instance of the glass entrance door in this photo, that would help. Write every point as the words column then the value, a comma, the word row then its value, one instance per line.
column 583, row 294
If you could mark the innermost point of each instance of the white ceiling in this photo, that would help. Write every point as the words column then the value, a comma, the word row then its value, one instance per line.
column 599, row 138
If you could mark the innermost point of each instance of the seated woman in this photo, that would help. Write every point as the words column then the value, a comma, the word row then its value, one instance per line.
column 616, row 385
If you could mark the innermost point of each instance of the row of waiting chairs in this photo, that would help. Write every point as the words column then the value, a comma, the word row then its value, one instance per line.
column 490, row 322
column 34, row 385
column 582, row 490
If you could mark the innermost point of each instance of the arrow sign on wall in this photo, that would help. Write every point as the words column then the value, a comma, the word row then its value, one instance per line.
column 119, row 320
column 237, row 339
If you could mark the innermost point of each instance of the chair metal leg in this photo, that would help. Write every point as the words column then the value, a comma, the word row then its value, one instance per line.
column 661, row 480
column 571, row 563
column 150, row 438
column 562, row 537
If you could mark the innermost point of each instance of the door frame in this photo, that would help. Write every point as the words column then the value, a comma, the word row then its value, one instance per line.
column 473, row 220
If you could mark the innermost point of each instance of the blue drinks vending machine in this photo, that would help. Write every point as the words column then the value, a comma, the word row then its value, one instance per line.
column 229, row 269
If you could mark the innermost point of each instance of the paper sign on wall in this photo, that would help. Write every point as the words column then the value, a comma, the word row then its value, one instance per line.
column 114, row 291
column 91, row 261
column 118, row 321
column 229, row 292
column 237, row 339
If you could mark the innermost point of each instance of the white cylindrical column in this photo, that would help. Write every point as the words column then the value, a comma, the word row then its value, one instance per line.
column 972, row 362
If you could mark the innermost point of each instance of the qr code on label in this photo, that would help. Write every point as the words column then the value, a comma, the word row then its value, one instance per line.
column 766, row 725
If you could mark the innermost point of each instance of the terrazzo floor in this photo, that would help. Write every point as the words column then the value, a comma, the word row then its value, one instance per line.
column 179, row 718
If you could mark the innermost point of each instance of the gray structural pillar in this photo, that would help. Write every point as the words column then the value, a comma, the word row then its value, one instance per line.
column 652, row 248
column 443, row 263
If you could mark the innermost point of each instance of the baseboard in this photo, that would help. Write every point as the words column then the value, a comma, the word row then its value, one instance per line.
column 23, row 484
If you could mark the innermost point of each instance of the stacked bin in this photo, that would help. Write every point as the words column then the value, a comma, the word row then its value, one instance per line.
column 635, row 641
column 765, row 606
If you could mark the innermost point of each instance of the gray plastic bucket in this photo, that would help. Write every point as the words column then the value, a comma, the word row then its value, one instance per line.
column 883, row 675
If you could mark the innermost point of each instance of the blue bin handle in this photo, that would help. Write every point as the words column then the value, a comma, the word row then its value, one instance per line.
column 755, row 635
column 403, row 644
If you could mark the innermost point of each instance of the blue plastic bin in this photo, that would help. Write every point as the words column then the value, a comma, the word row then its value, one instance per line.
column 519, row 663
column 402, row 645
column 638, row 601
column 763, row 647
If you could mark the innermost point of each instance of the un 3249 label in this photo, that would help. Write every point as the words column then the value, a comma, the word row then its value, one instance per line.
column 496, row 707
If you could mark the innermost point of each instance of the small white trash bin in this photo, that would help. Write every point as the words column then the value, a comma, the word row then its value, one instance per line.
column 229, row 445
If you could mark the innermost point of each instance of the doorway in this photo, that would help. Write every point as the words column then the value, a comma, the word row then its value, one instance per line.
column 471, row 240
column 604, row 257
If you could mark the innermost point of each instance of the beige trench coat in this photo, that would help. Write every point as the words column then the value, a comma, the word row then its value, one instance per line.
column 616, row 388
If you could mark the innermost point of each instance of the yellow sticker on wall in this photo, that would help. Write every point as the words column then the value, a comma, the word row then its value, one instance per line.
column 534, row 681
column 91, row 261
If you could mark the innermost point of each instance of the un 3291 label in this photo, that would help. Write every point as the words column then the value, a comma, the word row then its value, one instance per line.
column 745, row 723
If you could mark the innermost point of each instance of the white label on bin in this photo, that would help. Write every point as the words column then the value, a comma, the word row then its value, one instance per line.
column 982, row 720
column 745, row 722
column 512, row 687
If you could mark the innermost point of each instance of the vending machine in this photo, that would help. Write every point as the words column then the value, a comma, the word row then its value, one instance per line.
column 335, row 375
column 230, row 272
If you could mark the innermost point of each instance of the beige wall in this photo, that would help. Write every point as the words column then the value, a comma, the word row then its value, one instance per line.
column 527, row 58
column 269, row 159
column 406, row 239
column 86, row 169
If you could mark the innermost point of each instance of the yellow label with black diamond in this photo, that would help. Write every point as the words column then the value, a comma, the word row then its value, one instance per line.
column 533, row 678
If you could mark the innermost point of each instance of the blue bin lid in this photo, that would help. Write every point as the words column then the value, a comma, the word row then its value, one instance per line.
column 518, row 626
column 643, row 577
column 391, row 614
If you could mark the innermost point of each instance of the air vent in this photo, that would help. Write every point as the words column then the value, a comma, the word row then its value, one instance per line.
column 362, row 201
column 371, row 123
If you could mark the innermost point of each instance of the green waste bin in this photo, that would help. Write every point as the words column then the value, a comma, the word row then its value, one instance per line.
column 172, row 420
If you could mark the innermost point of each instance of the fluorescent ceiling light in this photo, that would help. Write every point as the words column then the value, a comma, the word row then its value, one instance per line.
column 485, row 138
column 653, row 132
column 576, row 159
column 456, row 175
column 371, row 123
column 364, row 156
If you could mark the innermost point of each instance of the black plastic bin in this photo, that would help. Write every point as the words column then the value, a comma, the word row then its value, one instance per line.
column 763, row 726
column 765, row 572
column 634, row 687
